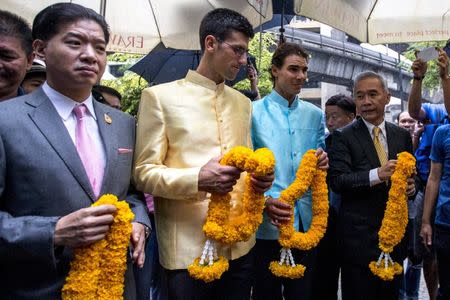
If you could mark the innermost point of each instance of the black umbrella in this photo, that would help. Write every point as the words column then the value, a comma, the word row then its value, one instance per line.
column 165, row 64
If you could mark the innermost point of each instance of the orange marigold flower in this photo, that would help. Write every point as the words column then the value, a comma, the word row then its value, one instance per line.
column 97, row 271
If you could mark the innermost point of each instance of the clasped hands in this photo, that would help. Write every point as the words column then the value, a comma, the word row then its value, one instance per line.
column 91, row 224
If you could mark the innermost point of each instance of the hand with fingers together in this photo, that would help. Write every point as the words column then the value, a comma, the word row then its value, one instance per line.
column 442, row 62
column 216, row 178
column 322, row 159
column 84, row 226
column 137, row 239
column 279, row 212
column 426, row 232
column 411, row 187
column 262, row 184
column 385, row 172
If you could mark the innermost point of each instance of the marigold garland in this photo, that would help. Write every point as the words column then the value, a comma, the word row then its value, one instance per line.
column 97, row 271
column 219, row 226
column 207, row 272
column 307, row 175
column 292, row 272
column 395, row 218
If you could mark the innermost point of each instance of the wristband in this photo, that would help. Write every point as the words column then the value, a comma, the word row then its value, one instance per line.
column 419, row 78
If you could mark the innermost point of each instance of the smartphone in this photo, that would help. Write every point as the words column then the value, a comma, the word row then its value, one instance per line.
column 428, row 54
column 251, row 70
column 249, row 61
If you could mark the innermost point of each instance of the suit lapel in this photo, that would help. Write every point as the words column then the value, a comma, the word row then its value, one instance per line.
column 49, row 123
column 109, row 144
column 363, row 136
column 392, row 145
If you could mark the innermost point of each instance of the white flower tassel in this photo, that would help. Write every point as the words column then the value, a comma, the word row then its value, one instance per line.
column 209, row 253
column 286, row 257
column 386, row 258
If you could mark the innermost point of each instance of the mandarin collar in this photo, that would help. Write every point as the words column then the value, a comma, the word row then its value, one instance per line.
column 280, row 100
column 197, row 78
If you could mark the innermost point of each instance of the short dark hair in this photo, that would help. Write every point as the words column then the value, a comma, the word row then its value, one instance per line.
column 343, row 102
column 221, row 22
column 98, row 89
column 283, row 51
column 48, row 21
column 12, row 25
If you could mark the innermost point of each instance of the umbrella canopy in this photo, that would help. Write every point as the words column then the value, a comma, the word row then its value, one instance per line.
column 382, row 21
column 163, row 65
column 137, row 26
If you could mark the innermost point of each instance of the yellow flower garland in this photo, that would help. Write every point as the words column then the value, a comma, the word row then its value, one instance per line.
column 287, row 271
column 207, row 272
column 307, row 175
column 218, row 226
column 395, row 218
column 97, row 271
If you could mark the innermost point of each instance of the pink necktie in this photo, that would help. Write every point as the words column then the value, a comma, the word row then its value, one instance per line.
column 86, row 150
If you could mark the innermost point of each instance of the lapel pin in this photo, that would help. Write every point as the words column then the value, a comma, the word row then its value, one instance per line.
column 108, row 119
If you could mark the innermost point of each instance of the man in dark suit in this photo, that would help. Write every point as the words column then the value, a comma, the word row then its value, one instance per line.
column 362, row 160
column 60, row 151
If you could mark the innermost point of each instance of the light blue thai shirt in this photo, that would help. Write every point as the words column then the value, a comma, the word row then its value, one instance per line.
column 289, row 132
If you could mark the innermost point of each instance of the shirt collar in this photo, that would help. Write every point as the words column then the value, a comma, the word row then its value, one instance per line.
column 64, row 105
column 370, row 127
column 277, row 98
column 197, row 78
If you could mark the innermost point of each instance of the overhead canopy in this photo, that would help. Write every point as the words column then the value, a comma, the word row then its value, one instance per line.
column 137, row 26
column 382, row 21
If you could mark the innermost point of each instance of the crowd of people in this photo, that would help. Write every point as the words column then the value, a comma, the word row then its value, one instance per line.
column 64, row 142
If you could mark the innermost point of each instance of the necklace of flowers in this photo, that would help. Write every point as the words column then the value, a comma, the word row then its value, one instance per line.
column 307, row 175
column 97, row 271
column 219, row 227
column 395, row 218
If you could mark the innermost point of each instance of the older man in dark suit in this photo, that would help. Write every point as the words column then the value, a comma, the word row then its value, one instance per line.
column 362, row 160
column 59, row 151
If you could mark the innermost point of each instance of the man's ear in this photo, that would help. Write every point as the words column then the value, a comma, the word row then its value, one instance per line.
column 39, row 47
column 388, row 98
column 274, row 71
column 209, row 43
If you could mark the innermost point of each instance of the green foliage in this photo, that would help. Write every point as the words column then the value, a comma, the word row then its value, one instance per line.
column 431, row 80
column 263, row 63
column 130, row 85
column 123, row 57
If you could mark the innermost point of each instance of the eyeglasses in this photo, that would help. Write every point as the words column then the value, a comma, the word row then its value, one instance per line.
column 238, row 51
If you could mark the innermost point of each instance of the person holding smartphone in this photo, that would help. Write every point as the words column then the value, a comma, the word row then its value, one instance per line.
column 432, row 116
column 443, row 67
column 252, row 75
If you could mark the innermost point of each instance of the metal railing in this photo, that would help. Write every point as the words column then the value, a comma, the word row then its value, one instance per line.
column 314, row 41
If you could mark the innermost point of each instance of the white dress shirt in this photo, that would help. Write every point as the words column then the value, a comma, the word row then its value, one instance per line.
column 373, row 174
column 64, row 106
